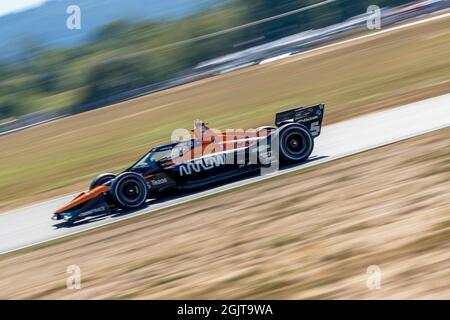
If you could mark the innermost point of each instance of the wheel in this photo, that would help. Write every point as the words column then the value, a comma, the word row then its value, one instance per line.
column 101, row 179
column 129, row 190
column 296, row 143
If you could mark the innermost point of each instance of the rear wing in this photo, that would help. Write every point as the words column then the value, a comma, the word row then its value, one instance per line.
column 311, row 117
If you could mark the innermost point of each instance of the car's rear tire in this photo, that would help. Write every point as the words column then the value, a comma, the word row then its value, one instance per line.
column 101, row 179
column 296, row 143
column 129, row 190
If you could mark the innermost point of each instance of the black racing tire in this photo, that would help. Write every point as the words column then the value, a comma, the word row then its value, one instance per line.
column 129, row 190
column 101, row 179
column 296, row 143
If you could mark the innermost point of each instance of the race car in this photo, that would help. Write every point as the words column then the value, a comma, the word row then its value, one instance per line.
column 203, row 158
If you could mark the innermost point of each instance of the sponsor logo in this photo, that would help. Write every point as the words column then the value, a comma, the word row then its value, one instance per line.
column 308, row 119
column 158, row 182
column 96, row 210
column 201, row 164
column 303, row 113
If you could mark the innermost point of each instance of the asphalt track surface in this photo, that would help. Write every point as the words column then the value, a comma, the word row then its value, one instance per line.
column 32, row 225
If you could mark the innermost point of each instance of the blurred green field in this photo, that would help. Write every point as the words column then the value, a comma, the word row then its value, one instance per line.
column 352, row 79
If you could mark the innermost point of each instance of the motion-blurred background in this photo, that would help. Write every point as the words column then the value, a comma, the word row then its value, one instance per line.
column 234, row 63
column 126, row 49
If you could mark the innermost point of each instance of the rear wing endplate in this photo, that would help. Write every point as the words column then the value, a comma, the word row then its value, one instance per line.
column 311, row 117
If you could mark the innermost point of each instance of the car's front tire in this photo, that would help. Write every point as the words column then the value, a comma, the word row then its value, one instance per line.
column 101, row 179
column 129, row 190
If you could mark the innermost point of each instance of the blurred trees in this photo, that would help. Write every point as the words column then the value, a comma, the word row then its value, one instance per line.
column 122, row 56
column 115, row 76
column 11, row 105
column 7, row 109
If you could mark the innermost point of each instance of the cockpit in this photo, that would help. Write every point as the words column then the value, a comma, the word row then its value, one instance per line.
column 163, row 154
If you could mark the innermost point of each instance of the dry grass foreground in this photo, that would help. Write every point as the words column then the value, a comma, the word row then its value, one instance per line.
column 364, row 76
column 306, row 235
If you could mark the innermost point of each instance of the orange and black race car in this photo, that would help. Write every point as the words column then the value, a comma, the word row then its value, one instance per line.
column 206, row 157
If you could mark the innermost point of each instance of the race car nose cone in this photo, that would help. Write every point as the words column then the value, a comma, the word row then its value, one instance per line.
column 83, row 198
